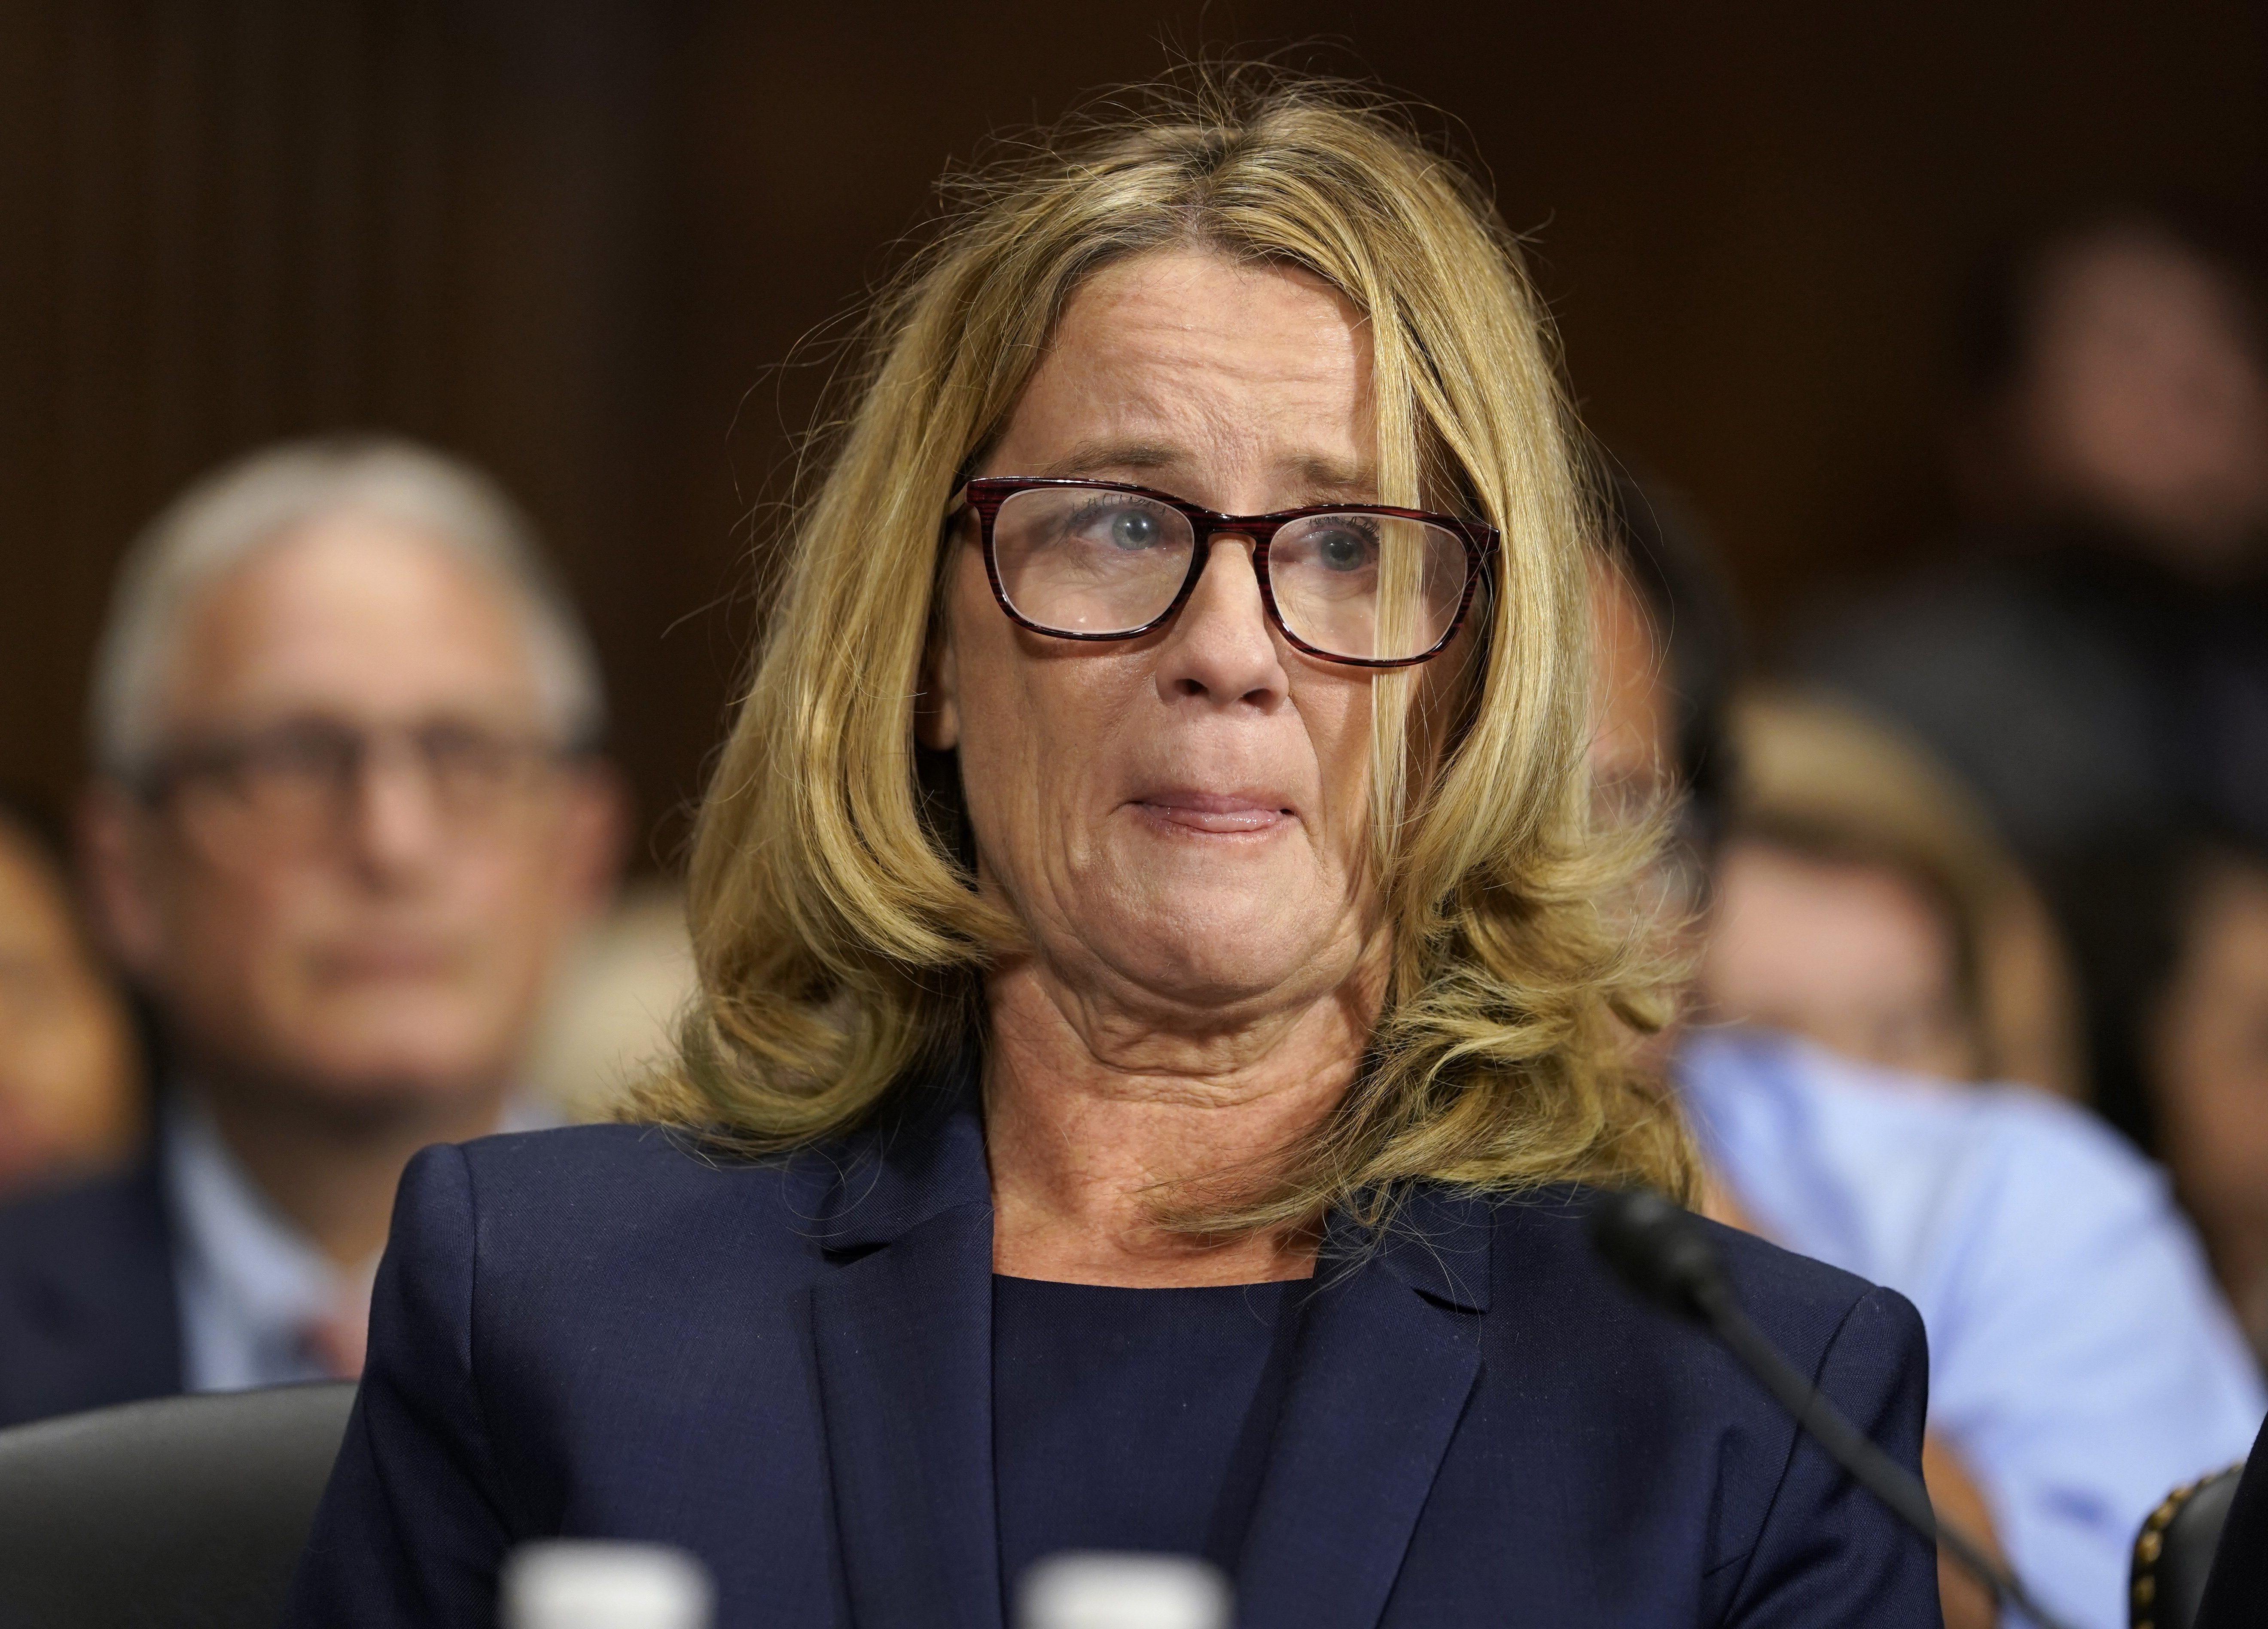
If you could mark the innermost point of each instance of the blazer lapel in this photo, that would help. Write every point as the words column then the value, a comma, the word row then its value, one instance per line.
column 902, row 1325
column 1387, row 1355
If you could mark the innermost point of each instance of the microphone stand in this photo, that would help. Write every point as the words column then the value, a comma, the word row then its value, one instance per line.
column 1656, row 1251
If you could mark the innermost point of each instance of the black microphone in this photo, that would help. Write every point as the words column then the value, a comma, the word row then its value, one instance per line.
column 1659, row 1251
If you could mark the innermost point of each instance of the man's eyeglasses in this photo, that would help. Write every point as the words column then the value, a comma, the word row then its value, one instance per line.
column 1354, row 583
column 295, row 781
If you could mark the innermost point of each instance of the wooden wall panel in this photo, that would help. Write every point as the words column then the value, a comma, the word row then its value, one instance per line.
column 577, row 239
column 227, row 223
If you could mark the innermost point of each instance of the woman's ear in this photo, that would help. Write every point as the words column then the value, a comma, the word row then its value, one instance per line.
column 937, row 712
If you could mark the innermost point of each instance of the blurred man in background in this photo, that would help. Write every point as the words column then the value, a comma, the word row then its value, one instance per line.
column 72, row 1096
column 2096, row 668
column 2098, row 664
column 2081, row 1363
column 348, row 814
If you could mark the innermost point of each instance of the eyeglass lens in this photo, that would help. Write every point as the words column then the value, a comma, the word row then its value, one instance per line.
column 1372, row 587
column 293, row 781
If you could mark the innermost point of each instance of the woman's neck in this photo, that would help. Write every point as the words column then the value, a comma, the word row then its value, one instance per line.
column 1092, row 1118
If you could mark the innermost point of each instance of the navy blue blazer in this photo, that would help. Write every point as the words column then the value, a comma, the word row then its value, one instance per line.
column 787, row 1368
column 89, row 1313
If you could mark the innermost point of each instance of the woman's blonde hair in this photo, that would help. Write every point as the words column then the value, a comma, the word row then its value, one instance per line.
column 839, row 935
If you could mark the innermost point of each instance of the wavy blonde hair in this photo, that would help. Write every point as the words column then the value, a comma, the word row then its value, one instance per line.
column 841, row 939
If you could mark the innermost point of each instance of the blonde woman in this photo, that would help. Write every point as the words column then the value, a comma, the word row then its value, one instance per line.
column 1160, row 1018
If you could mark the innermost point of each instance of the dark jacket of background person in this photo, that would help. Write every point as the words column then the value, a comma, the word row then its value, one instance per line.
column 88, row 1312
column 2085, row 694
column 787, row 1368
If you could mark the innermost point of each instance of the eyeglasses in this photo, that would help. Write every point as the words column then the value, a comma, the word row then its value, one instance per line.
column 1354, row 583
column 296, row 782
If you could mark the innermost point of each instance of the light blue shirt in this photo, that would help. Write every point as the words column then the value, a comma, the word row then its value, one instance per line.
column 2081, row 1360
column 251, row 1285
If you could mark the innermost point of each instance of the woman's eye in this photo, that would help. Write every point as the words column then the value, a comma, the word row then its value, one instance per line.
column 1342, row 550
column 1133, row 528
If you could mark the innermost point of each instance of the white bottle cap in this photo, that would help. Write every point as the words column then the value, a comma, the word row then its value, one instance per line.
column 596, row 1584
column 1103, row 1590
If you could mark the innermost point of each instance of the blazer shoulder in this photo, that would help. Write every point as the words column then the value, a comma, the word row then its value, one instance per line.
column 1802, row 1303
column 599, row 1184
column 650, row 1160
column 1769, row 1275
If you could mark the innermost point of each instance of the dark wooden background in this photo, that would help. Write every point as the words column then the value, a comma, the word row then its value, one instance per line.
column 578, row 239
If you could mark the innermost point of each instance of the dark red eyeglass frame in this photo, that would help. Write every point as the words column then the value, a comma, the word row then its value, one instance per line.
column 986, row 494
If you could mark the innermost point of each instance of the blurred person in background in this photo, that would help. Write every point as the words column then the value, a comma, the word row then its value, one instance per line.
column 1863, row 901
column 2081, row 1360
column 2098, row 663
column 349, row 813
column 2207, row 1037
column 71, row 1088
column 2183, row 1038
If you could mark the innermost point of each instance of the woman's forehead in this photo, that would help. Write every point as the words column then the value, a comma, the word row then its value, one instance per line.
column 1201, row 315
column 1182, row 362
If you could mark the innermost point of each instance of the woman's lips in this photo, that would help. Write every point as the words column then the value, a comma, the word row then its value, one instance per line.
column 1225, row 813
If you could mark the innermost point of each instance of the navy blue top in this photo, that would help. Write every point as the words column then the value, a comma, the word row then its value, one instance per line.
column 786, row 1367
column 1160, row 1402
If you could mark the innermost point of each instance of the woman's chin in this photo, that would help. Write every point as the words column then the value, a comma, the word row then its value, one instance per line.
column 1224, row 951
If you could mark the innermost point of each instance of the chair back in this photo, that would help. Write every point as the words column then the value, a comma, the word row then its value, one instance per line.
column 180, row 1513
column 2173, row 1554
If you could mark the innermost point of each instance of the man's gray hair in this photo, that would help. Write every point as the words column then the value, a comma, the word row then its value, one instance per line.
column 260, row 500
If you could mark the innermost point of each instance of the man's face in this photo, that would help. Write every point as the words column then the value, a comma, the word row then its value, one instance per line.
column 364, row 852
column 2145, row 398
column 1634, row 755
column 1633, row 742
column 2209, row 1051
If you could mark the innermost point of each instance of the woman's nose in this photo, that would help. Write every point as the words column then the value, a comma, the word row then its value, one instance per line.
column 1220, row 649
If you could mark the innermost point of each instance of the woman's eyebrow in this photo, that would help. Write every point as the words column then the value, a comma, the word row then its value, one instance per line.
column 1330, row 479
column 1316, row 475
column 1094, row 459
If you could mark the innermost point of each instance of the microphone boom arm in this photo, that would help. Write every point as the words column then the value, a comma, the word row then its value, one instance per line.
column 1655, row 1248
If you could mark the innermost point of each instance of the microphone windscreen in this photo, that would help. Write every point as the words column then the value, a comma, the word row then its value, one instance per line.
column 1658, row 1249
